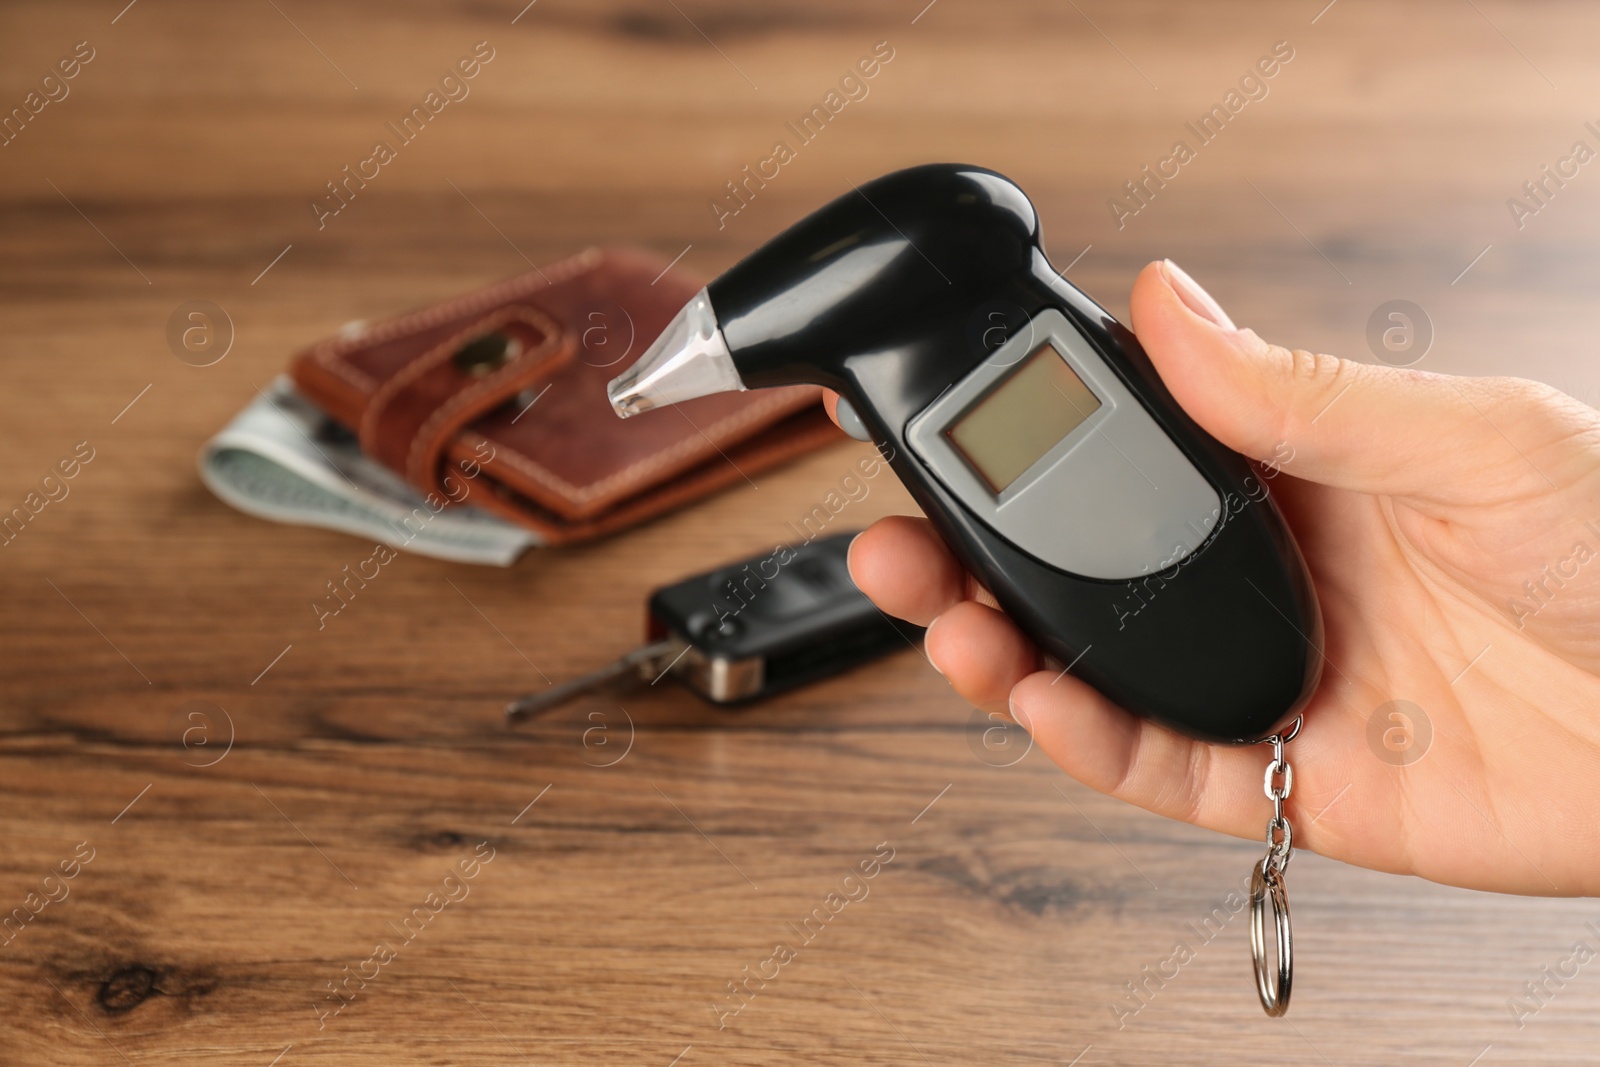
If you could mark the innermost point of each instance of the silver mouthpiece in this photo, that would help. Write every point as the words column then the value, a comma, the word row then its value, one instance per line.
column 689, row 359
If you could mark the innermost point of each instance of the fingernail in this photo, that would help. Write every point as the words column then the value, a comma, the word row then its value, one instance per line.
column 1195, row 298
column 925, row 634
column 849, row 556
column 1019, row 716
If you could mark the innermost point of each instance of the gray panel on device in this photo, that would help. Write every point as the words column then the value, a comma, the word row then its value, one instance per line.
column 1045, row 444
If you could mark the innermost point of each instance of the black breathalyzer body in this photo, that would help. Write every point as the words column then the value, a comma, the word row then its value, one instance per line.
column 1031, row 428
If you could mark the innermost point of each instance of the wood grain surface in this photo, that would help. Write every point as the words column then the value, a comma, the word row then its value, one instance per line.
column 243, row 864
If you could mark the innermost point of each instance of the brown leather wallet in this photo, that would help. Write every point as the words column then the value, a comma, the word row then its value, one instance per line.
column 498, row 399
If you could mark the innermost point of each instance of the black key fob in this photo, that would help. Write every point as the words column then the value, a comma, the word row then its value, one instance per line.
column 748, row 630
column 771, row 623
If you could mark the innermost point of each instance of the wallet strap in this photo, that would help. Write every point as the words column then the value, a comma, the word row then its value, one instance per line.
column 415, row 414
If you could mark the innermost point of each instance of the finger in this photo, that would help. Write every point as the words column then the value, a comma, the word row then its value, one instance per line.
column 903, row 566
column 1365, row 427
column 1113, row 752
column 981, row 653
column 830, row 404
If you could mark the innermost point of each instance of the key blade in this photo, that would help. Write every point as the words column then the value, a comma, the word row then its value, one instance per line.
column 649, row 658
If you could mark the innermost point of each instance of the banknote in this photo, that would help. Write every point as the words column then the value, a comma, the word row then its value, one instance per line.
column 283, row 459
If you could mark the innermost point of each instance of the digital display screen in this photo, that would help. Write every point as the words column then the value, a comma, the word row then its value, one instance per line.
column 1026, row 415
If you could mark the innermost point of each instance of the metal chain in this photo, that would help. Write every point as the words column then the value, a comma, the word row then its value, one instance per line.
column 1267, row 883
column 1278, row 783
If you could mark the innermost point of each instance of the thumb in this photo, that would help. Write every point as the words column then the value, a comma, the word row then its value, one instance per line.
column 1356, row 426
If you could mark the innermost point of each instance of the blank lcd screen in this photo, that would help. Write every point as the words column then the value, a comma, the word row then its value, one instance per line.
column 1032, row 409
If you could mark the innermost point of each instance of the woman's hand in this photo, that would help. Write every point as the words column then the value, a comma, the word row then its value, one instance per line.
column 1452, row 527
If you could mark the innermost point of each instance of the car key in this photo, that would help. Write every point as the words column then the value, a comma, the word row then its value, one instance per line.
column 646, row 662
column 748, row 630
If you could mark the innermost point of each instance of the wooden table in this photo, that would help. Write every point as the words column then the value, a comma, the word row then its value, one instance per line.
column 231, row 887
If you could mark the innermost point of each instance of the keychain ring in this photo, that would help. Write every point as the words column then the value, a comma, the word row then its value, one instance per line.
column 1268, row 880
